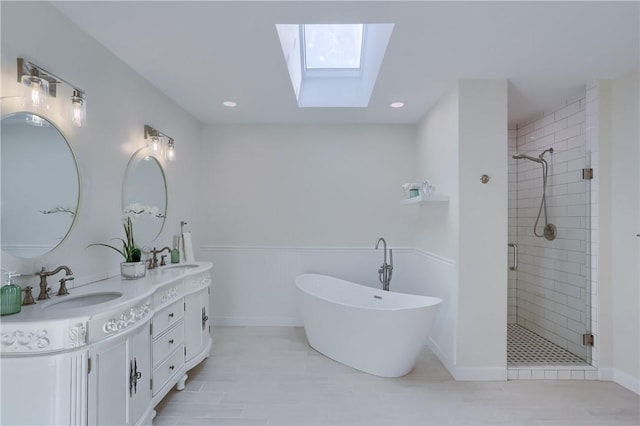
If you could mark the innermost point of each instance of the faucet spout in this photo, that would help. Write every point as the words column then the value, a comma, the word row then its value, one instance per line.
column 43, row 274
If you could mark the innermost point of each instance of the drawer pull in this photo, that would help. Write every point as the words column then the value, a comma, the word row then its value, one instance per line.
column 171, row 367
column 171, row 315
column 171, row 342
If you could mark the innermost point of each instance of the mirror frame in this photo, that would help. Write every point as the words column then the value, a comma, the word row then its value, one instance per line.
column 8, row 111
column 138, row 156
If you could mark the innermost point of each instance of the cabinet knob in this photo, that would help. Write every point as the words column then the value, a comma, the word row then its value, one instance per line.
column 171, row 315
column 171, row 367
column 171, row 341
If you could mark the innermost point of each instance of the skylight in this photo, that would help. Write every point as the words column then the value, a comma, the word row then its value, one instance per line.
column 333, row 46
column 333, row 65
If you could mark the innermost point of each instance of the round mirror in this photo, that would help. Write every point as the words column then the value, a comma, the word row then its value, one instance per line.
column 40, row 185
column 145, row 189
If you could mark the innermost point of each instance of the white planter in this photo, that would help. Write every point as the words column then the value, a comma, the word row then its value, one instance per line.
column 133, row 270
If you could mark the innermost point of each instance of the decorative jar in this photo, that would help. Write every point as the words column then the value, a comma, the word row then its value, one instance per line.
column 133, row 270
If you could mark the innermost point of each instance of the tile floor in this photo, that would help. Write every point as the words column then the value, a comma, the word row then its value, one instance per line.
column 270, row 376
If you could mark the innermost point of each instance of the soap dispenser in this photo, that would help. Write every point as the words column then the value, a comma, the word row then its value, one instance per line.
column 175, row 253
column 10, row 296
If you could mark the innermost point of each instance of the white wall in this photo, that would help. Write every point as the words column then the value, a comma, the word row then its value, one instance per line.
column 461, row 138
column 305, row 185
column 120, row 102
column 625, row 224
column 437, row 155
column 481, row 342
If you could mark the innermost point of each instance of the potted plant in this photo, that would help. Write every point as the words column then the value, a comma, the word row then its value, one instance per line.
column 132, row 267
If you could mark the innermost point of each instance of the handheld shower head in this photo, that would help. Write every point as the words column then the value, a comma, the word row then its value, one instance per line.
column 526, row 157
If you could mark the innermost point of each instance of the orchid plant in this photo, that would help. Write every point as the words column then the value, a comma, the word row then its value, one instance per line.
column 130, row 251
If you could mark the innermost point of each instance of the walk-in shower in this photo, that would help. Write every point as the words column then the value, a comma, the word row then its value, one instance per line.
column 550, row 231
column 550, row 308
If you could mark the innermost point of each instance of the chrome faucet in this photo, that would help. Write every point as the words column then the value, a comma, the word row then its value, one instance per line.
column 43, row 274
column 153, row 262
column 386, row 270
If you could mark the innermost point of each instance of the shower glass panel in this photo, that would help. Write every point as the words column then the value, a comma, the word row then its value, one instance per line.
column 550, row 291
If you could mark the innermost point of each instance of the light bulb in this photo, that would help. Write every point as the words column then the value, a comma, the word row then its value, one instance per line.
column 154, row 145
column 36, row 90
column 78, row 111
column 171, row 151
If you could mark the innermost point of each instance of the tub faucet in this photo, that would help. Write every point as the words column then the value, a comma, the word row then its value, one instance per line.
column 386, row 270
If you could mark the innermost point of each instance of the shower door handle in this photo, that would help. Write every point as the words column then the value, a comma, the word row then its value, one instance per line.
column 514, row 266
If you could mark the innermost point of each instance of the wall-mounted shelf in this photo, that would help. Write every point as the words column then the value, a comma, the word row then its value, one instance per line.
column 425, row 200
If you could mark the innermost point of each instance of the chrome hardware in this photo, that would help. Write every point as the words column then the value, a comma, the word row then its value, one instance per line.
column 134, row 376
column 205, row 318
column 386, row 270
column 153, row 262
column 44, row 291
column 514, row 266
column 28, row 297
column 62, row 291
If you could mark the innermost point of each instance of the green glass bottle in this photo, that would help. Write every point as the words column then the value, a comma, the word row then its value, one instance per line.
column 175, row 253
column 10, row 297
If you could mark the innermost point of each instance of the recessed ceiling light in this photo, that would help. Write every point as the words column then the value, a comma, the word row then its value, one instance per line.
column 229, row 104
column 396, row 104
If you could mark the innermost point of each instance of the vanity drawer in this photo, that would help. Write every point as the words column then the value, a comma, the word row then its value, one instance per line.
column 165, row 318
column 166, row 343
column 165, row 371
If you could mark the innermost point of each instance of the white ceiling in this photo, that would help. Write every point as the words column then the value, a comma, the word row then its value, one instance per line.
column 201, row 53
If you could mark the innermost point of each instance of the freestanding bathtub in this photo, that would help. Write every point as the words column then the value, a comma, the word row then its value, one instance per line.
column 378, row 332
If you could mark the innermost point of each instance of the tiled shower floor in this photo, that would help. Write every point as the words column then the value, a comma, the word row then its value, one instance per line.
column 532, row 357
column 526, row 347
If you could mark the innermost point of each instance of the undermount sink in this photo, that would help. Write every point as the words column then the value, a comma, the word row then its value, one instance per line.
column 84, row 300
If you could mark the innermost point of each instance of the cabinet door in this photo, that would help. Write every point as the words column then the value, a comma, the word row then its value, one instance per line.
column 108, row 384
column 196, row 322
column 119, row 381
column 139, row 368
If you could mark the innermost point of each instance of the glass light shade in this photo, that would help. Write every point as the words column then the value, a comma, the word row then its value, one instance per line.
column 171, row 151
column 78, row 110
column 155, row 147
column 36, row 92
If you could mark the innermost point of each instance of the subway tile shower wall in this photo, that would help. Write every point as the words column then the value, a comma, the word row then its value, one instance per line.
column 551, row 295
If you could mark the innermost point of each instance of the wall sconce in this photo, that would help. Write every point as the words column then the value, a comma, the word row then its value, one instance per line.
column 155, row 146
column 40, row 84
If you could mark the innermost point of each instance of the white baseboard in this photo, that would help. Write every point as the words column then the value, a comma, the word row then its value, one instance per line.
column 480, row 374
column 270, row 321
column 627, row 381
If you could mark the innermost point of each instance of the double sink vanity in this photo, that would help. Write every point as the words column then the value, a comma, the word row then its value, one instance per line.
column 108, row 352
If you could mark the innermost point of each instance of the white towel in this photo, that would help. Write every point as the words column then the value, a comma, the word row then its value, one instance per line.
column 187, row 248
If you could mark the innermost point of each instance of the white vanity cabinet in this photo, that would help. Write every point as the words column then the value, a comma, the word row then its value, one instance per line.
column 109, row 364
column 197, row 326
column 168, row 345
column 119, row 379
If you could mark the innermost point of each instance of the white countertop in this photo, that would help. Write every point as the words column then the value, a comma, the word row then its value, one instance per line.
column 43, row 328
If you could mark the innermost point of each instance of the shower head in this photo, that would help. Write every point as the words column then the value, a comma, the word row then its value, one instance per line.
column 526, row 157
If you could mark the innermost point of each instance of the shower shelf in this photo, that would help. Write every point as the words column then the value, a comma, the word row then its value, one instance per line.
column 422, row 200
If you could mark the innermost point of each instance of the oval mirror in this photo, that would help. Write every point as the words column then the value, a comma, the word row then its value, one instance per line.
column 145, row 186
column 40, row 185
